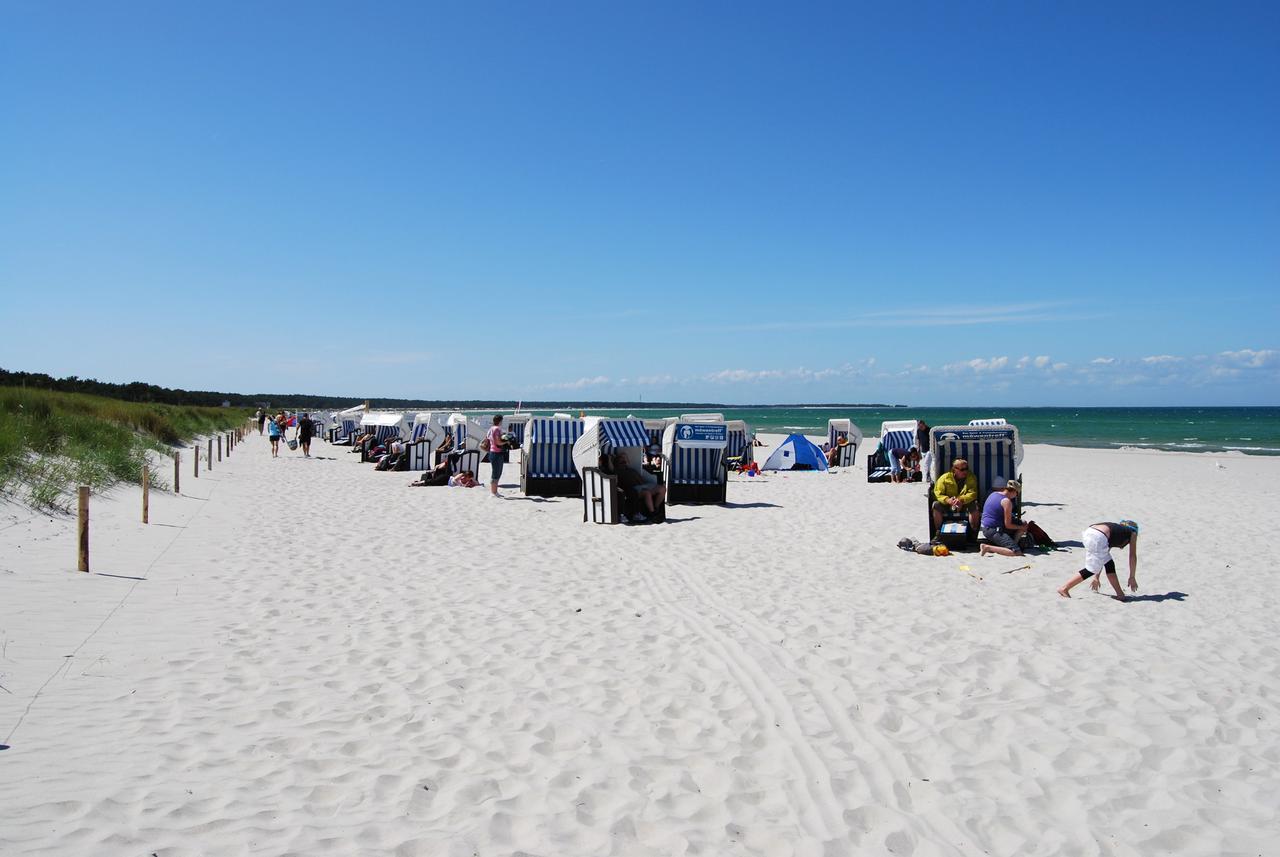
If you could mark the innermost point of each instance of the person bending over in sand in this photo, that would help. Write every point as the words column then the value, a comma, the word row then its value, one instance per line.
column 904, row 464
column 1001, row 532
column 1098, row 540
column 957, row 489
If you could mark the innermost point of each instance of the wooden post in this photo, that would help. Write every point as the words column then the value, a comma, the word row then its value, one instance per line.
column 83, row 530
column 195, row 461
column 208, row 462
column 177, row 460
column 219, row 447
column 146, row 494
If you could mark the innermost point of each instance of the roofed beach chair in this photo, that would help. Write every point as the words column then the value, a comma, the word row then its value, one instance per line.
column 894, row 434
column 385, row 426
column 342, row 433
column 1001, row 421
column 345, row 424
column 992, row 455
column 464, row 432
column 427, row 433
column 603, row 502
column 738, row 450
column 693, row 461
column 840, row 429
column 546, row 462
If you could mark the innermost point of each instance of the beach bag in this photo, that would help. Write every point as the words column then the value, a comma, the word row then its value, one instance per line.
column 1039, row 536
column 954, row 534
column 293, row 444
column 484, row 447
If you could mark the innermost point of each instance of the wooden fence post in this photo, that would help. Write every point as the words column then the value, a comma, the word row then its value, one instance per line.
column 208, row 462
column 82, row 529
column 177, row 460
column 195, row 460
column 219, row 447
column 146, row 494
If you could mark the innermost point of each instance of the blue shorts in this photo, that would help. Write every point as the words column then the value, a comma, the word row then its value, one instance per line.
column 495, row 464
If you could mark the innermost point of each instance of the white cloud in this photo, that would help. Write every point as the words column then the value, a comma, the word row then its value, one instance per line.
column 1251, row 359
column 1161, row 358
column 579, row 384
column 1103, row 361
column 978, row 365
column 650, row 380
column 1042, row 361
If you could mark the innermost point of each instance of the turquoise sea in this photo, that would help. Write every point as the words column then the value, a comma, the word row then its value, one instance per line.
column 1255, row 431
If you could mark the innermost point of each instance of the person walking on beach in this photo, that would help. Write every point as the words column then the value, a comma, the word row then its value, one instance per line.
column 262, row 417
column 275, row 428
column 1098, row 540
column 306, row 430
column 998, row 526
column 496, row 446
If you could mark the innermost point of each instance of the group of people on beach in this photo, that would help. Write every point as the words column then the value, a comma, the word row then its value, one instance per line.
column 277, row 428
column 956, row 493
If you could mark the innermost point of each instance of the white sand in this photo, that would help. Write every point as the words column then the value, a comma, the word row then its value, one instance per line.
column 320, row 660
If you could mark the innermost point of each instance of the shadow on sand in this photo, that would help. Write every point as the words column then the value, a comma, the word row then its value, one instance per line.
column 1168, row 596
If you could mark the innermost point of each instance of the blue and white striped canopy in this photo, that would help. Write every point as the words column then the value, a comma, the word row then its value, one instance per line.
column 898, row 440
column 548, row 430
column 623, row 433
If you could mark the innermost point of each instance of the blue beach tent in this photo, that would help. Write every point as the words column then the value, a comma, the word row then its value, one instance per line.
column 797, row 452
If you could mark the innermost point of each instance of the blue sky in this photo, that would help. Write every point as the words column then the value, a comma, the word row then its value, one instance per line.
column 927, row 203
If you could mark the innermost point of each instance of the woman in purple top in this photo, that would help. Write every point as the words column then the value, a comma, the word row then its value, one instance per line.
column 1001, row 531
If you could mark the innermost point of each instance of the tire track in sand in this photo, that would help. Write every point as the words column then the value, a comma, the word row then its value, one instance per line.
column 818, row 809
column 889, row 759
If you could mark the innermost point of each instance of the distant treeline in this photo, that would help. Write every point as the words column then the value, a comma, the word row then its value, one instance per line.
column 137, row 391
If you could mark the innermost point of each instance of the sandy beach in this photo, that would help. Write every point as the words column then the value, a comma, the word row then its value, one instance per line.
column 308, row 657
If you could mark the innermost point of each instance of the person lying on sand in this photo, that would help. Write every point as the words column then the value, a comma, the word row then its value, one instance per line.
column 1098, row 540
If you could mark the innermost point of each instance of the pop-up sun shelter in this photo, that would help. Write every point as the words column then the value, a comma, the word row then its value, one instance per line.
column 797, row 452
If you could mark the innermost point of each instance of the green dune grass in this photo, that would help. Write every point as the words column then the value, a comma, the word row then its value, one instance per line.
column 52, row 441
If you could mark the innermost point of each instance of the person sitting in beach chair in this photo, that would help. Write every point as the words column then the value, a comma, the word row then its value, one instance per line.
column 639, row 487
column 833, row 451
column 956, row 493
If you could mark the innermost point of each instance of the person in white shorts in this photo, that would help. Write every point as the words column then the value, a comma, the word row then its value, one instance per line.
column 1098, row 541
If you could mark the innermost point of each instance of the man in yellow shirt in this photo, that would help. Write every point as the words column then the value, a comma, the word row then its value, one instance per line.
column 957, row 489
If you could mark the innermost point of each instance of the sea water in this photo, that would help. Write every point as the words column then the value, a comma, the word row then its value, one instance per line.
column 1253, row 431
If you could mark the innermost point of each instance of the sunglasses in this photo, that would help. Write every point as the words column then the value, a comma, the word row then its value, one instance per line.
column 960, row 469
